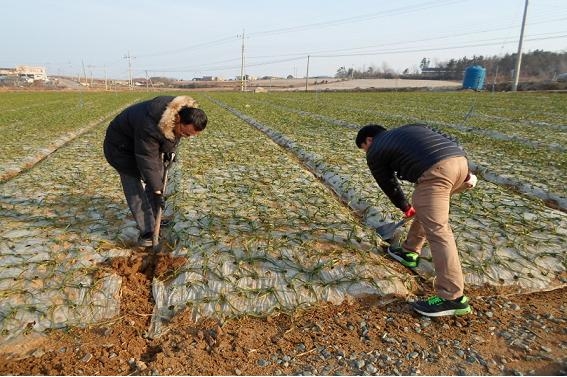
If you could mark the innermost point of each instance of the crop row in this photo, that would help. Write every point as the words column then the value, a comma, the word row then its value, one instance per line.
column 503, row 237
column 260, row 232
column 485, row 128
column 58, row 219
column 32, row 125
column 515, row 119
column 524, row 115
column 502, row 159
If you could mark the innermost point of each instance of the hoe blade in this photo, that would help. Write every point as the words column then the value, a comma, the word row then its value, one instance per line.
column 386, row 231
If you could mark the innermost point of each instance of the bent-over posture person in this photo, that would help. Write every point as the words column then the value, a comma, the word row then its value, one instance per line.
column 438, row 167
column 138, row 141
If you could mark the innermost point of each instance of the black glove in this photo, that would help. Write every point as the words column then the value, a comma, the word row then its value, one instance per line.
column 159, row 200
column 169, row 157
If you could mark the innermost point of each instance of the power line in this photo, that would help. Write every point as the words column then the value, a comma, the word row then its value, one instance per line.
column 380, row 49
column 401, row 51
column 358, row 18
column 180, row 50
column 301, row 56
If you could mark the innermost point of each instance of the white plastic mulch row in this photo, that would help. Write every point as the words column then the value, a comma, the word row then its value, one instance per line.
column 507, row 176
column 57, row 219
column 504, row 238
column 500, row 116
column 493, row 134
column 261, row 233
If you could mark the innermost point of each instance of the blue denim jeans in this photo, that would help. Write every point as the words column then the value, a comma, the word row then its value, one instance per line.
column 140, row 201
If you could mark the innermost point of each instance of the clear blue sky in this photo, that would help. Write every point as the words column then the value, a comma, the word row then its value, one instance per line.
column 186, row 39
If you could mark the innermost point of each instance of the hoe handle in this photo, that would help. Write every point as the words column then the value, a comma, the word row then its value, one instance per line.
column 155, row 236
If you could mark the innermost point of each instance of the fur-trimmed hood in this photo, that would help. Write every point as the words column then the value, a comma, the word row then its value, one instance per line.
column 170, row 116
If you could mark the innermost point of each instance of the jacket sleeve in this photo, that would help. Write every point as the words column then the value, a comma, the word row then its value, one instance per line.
column 148, row 158
column 388, row 182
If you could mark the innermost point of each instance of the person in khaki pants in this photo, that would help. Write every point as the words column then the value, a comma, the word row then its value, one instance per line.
column 439, row 168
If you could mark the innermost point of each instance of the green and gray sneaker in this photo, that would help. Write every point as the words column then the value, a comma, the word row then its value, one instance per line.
column 437, row 307
column 407, row 258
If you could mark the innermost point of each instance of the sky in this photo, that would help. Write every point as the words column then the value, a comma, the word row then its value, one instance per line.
column 186, row 39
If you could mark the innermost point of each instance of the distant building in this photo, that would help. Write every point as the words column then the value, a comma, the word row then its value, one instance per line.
column 440, row 73
column 247, row 78
column 25, row 72
column 208, row 78
column 34, row 73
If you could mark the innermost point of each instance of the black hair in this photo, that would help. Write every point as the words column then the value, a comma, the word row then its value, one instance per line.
column 194, row 116
column 369, row 130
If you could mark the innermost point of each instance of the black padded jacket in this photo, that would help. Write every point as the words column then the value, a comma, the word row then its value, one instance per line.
column 405, row 153
column 137, row 137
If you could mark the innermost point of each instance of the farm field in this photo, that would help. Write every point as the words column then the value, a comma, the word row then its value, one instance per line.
column 32, row 125
column 273, row 212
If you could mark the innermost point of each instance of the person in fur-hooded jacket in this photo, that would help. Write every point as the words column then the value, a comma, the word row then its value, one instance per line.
column 137, row 142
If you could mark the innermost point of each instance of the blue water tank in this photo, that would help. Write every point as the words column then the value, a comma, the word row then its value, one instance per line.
column 474, row 77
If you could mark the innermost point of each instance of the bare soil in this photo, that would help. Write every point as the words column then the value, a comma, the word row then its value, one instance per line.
column 506, row 334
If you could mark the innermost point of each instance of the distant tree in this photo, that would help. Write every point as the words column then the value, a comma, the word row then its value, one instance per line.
column 387, row 71
column 451, row 65
column 424, row 63
column 537, row 64
column 341, row 73
column 350, row 72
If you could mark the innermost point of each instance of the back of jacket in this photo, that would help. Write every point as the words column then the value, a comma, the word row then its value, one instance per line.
column 134, row 142
column 406, row 153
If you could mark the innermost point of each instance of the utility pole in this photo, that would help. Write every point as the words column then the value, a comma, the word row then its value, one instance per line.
column 495, row 77
column 519, row 57
column 242, row 80
column 90, row 67
column 307, row 75
column 129, row 69
column 147, row 87
column 84, row 73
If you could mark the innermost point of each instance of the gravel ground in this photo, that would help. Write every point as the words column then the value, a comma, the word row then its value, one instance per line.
column 503, row 336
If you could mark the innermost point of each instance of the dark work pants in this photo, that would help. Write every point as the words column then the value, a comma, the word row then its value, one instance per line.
column 140, row 201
